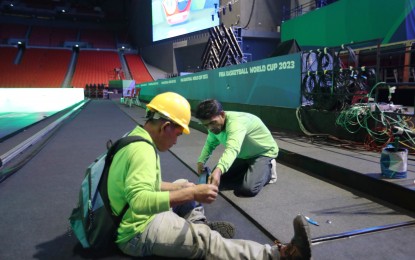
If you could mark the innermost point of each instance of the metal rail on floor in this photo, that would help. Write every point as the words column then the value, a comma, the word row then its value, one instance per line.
column 359, row 232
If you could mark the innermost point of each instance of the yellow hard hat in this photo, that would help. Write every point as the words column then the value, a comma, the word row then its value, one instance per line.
column 174, row 107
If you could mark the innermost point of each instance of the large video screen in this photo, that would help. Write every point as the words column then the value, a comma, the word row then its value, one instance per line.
column 172, row 18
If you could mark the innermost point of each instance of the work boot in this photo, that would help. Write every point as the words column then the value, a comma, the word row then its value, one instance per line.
column 300, row 246
column 225, row 229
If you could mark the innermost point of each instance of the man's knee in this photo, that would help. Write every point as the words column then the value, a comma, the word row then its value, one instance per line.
column 248, row 191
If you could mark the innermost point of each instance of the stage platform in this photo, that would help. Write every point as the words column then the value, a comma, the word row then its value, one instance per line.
column 356, row 221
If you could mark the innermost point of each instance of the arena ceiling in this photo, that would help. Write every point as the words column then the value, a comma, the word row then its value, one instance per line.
column 76, row 10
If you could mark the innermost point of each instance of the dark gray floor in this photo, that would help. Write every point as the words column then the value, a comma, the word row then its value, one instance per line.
column 36, row 201
column 337, row 208
column 385, row 245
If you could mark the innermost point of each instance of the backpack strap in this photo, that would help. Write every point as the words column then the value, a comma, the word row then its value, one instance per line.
column 118, row 145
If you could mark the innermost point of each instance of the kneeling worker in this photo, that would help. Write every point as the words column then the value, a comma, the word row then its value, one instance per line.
column 248, row 162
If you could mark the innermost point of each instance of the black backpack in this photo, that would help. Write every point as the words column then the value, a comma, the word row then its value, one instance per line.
column 92, row 221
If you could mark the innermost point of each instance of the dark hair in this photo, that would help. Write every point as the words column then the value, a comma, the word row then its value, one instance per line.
column 208, row 109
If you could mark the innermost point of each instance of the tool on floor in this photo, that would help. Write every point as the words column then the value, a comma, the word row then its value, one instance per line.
column 311, row 221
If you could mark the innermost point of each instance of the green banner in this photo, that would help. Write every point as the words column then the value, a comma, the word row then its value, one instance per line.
column 352, row 21
column 270, row 82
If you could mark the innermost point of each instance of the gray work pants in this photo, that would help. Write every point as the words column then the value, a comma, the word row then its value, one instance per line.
column 170, row 235
column 248, row 176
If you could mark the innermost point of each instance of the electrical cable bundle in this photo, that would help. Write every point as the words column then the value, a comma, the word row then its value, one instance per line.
column 377, row 123
column 331, row 81
column 327, row 83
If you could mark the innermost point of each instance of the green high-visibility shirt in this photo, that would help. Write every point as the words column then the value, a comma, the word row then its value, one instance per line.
column 245, row 136
column 135, row 177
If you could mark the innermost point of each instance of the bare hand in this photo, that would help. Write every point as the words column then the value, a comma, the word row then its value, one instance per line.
column 186, row 185
column 200, row 167
column 206, row 193
column 214, row 178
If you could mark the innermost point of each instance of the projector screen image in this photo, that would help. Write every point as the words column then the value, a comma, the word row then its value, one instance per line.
column 172, row 18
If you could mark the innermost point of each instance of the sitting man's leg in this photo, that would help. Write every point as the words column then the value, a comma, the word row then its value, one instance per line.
column 172, row 236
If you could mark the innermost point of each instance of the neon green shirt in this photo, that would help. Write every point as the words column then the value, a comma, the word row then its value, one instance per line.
column 135, row 177
column 245, row 136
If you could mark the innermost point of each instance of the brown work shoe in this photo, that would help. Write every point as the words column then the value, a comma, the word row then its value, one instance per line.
column 300, row 246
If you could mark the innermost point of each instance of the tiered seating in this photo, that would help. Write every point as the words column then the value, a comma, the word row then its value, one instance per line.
column 95, row 67
column 51, row 37
column 60, row 35
column 8, row 54
column 8, row 31
column 38, row 68
column 138, row 70
column 98, row 38
column 41, row 36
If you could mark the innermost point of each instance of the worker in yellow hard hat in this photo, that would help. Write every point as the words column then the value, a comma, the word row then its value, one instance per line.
column 171, row 106
column 167, row 219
